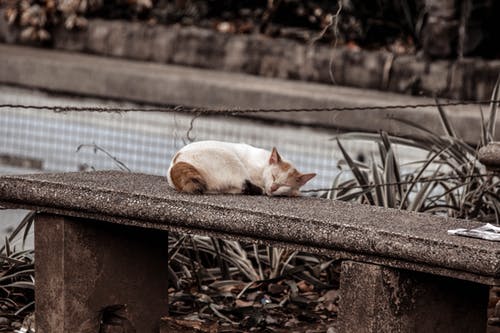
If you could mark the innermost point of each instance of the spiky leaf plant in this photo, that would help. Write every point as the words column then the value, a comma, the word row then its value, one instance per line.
column 449, row 181
column 17, row 277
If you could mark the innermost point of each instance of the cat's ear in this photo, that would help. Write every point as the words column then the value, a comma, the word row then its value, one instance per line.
column 275, row 157
column 305, row 177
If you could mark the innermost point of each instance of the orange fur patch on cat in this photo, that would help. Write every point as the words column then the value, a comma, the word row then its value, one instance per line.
column 187, row 178
column 285, row 166
column 294, row 173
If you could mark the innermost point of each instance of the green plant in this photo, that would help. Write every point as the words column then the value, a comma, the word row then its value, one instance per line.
column 17, row 277
column 449, row 181
column 213, row 259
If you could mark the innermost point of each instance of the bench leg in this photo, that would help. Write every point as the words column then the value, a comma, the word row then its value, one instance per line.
column 377, row 299
column 83, row 267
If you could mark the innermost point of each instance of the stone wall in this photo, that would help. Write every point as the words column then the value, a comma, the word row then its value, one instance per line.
column 279, row 58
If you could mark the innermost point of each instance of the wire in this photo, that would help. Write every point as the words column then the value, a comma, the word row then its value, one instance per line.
column 422, row 180
column 234, row 111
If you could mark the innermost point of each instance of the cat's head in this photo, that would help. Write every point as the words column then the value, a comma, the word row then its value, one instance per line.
column 281, row 178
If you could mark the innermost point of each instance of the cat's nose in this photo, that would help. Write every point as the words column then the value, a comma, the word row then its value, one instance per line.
column 274, row 187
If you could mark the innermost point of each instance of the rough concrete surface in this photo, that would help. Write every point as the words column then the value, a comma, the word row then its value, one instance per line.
column 399, row 238
column 165, row 84
column 376, row 299
column 489, row 155
column 87, row 270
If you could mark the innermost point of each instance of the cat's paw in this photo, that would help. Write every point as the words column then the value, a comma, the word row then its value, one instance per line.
column 250, row 188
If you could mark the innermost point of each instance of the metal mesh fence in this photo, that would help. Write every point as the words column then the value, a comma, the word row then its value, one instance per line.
column 146, row 141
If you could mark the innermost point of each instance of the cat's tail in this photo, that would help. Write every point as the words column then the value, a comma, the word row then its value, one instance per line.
column 186, row 178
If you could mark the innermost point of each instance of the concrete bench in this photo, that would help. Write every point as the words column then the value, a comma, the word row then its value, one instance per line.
column 101, row 239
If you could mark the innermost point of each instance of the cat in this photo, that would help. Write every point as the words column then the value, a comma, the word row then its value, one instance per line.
column 234, row 168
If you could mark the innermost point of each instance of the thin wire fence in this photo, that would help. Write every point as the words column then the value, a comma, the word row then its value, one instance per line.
column 145, row 139
column 238, row 111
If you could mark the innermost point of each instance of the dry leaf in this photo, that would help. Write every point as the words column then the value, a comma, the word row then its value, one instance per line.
column 242, row 304
column 304, row 286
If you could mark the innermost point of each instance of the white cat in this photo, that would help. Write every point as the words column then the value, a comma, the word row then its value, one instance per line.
column 224, row 167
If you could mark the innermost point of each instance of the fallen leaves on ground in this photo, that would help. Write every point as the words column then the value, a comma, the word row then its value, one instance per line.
column 283, row 306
